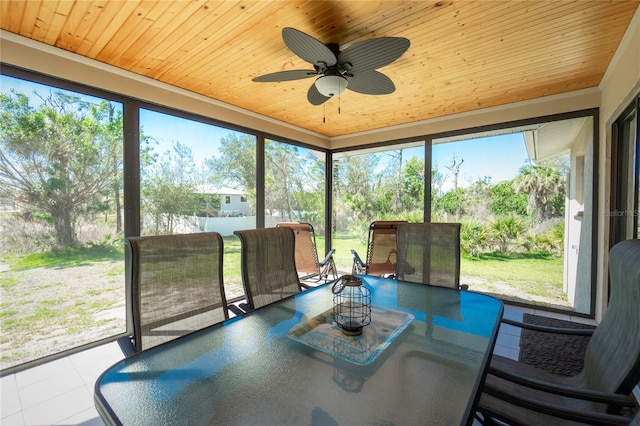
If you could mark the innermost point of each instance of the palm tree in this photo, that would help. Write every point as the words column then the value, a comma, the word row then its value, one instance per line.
column 542, row 185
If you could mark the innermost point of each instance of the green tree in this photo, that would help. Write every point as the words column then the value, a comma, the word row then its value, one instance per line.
column 505, row 200
column 356, row 188
column 294, row 183
column 311, row 198
column 437, row 180
column 394, row 178
column 169, row 188
column 236, row 166
column 543, row 186
column 114, row 125
column 413, row 184
column 59, row 159
column 476, row 199
column 452, row 202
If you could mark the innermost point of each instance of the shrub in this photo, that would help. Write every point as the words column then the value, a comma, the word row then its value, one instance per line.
column 25, row 234
column 506, row 230
column 474, row 237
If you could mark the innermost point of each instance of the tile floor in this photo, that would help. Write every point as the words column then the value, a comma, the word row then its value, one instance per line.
column 61, row 392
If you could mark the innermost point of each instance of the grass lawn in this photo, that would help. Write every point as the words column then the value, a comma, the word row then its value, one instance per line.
column 524, row 277
column 535, row 273
column 540, row 267
column 343, row 245
column 60, row 258
column 59, row 298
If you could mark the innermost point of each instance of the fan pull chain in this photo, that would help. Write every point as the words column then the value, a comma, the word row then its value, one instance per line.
column 324, row 113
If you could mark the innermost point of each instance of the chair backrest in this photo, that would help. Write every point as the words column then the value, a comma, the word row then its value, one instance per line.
column 429, row 253
column 174, row 285
column 268, row 265
column 381, row 247
column 612, row 358
column 306, row 254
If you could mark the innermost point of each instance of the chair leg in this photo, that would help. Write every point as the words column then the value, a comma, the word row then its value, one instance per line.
column 486, row 420
column 236, row 310
column 126, row 346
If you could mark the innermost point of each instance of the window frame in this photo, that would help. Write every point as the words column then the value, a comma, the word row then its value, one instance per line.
column 622, row 178
column 131, row 161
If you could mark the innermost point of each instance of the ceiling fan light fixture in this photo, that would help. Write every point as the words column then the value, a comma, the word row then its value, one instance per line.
column 331, row 85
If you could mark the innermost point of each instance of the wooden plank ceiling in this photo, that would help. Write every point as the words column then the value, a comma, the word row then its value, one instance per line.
column 464, row 54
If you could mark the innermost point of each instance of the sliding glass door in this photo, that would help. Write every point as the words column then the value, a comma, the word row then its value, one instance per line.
column 625, row 182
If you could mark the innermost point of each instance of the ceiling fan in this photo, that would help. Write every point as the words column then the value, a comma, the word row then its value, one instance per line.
column 353, row 69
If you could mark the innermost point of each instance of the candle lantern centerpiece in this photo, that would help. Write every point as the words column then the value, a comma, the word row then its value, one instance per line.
column 351, row 304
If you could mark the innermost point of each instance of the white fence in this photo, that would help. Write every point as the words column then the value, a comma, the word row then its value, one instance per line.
column 223, row 225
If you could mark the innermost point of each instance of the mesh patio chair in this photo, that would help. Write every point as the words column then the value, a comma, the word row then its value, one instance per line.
column 381, row 250
column 517, row 393
column 429, row 253
column 307, row 263
column 268, row 265
column 174, row 285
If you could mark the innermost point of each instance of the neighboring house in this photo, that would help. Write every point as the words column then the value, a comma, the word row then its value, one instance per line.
column 233, row 202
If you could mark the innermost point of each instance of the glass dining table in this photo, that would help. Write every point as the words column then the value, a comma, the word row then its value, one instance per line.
column 421, row 360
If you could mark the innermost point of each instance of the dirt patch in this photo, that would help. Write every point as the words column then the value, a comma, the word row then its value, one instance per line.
column 44, row 311
column 508, row 293
column 49, row 310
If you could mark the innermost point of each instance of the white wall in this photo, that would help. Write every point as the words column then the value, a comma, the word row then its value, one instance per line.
column 225, row 226
column 236, row 206
column 620, row 85
column 579, row 220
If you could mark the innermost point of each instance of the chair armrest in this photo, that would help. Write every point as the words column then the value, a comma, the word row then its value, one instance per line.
column 584, row 394
column 545, row 329
column 358, row 265
column 328, row 257
column 356, row 258
column 587, row 417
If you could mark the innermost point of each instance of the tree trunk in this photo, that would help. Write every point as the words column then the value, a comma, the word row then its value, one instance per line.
column 117, row 197
column 64, row 227
column 397, row 199
column 118, row 216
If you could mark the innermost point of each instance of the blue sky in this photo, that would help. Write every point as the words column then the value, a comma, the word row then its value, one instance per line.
column 499, row 157
column 27, row 87
column 203, row 139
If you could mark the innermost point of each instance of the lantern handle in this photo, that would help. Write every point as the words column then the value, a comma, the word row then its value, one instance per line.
column 343, row 280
